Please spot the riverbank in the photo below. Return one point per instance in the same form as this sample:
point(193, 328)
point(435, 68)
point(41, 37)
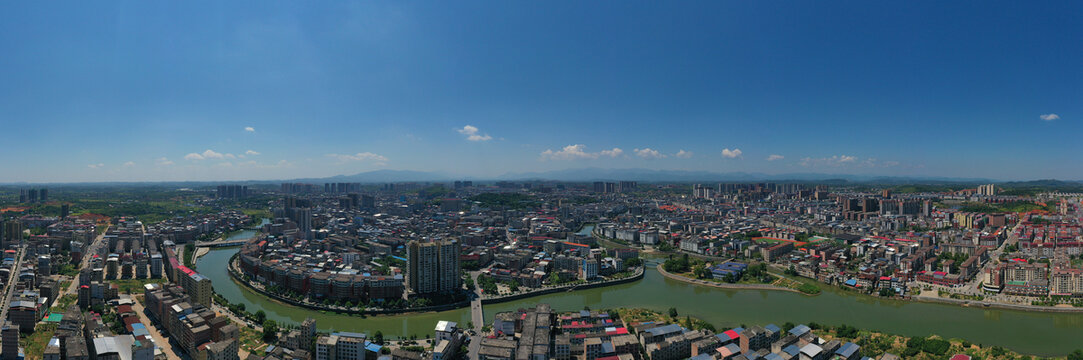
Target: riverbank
point(1045, 334)
point(200, 251)
point(923, 299)
point(566, 288)
point(667, 274)
point(985, 304)
point(236, 276)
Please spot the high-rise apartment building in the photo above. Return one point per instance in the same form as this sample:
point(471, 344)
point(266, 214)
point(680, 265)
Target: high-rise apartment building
point(12, 233)
point(232, 191)
point(9, 341)
point(196, 286)
point(433, 267)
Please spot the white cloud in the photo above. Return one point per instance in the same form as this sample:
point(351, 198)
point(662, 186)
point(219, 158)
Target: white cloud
point(1049, 117)
point(251, 152)
point(163, 161)
point(683, 154)
point(774, 157)
point(844, 160)
point(578, 151)
point(472, 134)
point(570, 152)
point(250, 129)
point(363, 157)
point(129, 164)
point(95, 166)
point(615, 152)
point(732, 154)
point(208, 154)
point(649, 153)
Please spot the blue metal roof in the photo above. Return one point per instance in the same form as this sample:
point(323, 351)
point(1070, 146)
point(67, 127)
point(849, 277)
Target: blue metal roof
point(772, 328)
point(848, 349)
point(662, 330)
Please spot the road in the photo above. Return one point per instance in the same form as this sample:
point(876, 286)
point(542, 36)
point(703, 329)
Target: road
point(9, 289)
point(477, 316)
point(240, 322)
point(95, 247)
point(223, 242)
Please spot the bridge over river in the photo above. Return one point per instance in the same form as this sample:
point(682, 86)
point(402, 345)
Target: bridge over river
point(231, 241)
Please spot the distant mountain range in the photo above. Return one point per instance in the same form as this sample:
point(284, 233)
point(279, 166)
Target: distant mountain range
point(644, 175)
point(383, 176)
point(601, 174)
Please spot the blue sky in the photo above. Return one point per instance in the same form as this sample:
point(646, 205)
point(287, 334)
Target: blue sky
point(268, 90)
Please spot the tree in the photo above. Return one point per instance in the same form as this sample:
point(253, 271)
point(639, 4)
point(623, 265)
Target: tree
point(701, 272)
point(260, 316)
point(709, 327)
point(915, 342)
point(378, 337)
point(270, 330)
point(1076, 355)
point(887, 292)
point(554, 279)
point(846, 331)
point(673, 312)
point(936, 346)
point(633, 262)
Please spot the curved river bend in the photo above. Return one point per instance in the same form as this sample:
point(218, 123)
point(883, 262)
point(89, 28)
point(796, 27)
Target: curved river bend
point(1036, 333)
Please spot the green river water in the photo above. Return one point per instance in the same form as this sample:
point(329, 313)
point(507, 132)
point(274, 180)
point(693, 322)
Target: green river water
point(1034, 333)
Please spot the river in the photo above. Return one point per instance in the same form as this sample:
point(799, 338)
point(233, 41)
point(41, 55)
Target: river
point(1044, 334)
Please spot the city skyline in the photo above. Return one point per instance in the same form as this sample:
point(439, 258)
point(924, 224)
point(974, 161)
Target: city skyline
point(254, 91)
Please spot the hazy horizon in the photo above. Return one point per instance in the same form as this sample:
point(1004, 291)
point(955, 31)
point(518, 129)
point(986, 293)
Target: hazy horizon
point(205, 91)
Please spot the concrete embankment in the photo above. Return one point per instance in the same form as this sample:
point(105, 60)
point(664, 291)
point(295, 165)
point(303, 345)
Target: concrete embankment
point(984, 304)
point(541, 292)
